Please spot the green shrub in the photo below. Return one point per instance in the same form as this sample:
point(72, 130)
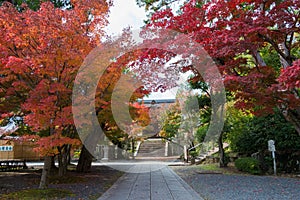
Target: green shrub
point(248, 164)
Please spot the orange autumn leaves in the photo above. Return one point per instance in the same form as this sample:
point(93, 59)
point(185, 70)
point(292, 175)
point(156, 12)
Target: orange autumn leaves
point(40, 54)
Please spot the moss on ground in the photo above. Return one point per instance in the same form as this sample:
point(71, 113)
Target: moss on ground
point(35, 194)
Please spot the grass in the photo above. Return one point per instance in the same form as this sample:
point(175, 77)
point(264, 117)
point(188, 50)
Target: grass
point(210, 167)
point(33, 194)
point(214, 168)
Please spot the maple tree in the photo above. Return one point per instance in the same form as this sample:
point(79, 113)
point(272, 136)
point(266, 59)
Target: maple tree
point(119, 126)
point(108, 95)
point(236, 34)
point(41, 52)
point(139, 64)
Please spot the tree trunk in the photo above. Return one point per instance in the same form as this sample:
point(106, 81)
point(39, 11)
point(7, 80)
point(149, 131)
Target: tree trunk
point(45, 173)
point(223, 161)
point(285, 60)
point(63, 159)
point(132, 147)
point(90, 142)
point(85, 161)
point(53, 162)
point(293, 116)
point(69, 156)
point(258, 59)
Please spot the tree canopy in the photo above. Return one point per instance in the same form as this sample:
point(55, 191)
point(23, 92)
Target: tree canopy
point(241, 36)
point(41, 51)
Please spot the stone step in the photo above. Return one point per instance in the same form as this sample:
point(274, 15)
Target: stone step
point(151, 148)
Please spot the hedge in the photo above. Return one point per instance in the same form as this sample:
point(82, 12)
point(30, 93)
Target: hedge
point(248, 164)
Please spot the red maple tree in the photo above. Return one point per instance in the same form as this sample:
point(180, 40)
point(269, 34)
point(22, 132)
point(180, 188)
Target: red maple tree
point(40, 53)
point(236, 34)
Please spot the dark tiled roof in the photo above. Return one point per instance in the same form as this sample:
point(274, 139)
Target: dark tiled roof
point(157, 101)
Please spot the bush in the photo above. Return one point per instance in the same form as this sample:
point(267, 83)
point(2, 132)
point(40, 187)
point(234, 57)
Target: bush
point(248, 164)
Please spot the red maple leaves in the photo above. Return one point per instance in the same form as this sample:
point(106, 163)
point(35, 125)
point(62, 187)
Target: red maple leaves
point(290, 77)
point(234, 33)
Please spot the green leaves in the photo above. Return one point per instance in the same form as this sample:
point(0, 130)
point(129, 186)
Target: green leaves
point(248, 164)
point(171, 122)
point(35, 4)
point(259, 130)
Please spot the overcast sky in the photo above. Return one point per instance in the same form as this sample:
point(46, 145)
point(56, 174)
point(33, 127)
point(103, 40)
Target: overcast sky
point(125, 13)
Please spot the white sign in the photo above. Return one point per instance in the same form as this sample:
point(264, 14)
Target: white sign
point(271, 145)
point(6, 148)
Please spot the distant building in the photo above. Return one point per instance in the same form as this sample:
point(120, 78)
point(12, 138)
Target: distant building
point(158, 103)
point(157, 107)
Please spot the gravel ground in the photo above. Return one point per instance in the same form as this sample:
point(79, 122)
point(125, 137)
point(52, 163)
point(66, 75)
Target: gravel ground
point(97, 182)
point(216, 186)
point(92, 186)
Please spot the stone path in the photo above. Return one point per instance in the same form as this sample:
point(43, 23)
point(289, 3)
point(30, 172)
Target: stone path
point(149, 181)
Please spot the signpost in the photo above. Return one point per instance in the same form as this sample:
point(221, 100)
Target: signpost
point(271, 147)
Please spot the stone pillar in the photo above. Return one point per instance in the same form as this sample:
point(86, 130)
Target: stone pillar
point(105, 152)
point(97, 152)
point(167, 149)
point(185, 153)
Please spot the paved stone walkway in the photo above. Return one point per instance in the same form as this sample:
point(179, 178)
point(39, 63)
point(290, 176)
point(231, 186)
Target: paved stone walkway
point(159, 182)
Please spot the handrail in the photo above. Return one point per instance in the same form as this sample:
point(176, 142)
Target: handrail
point(189, 149)
point(137, 148)
point(170, 140)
